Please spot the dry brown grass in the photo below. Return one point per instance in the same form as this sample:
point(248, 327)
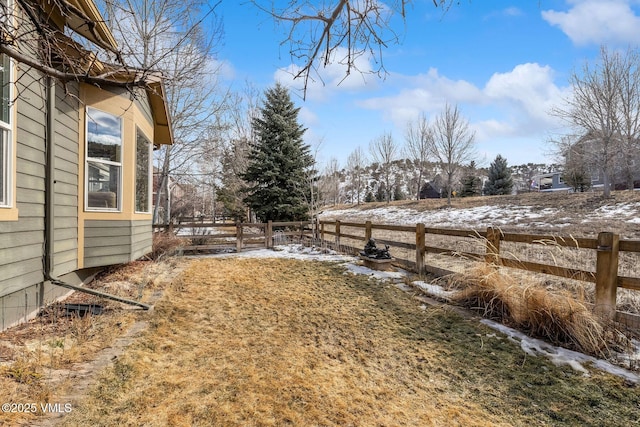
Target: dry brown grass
point(279, 342)
point(164, 244)
point(555, 315)
point(38, 359)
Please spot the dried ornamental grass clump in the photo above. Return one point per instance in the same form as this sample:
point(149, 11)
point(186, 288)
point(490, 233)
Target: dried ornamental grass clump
point(165, 244)
point(486, 289)
point(555, 316)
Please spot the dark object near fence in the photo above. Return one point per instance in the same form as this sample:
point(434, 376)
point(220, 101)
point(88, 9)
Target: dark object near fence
point(371, 251)
point(82, 310)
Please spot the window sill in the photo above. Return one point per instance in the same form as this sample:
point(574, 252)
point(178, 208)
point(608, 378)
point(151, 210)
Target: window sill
point(8, 214)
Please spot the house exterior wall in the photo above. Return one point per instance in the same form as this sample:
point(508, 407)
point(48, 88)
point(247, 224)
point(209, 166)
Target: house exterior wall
point(22, 287)
point(82, 240)
point(115, 241)
point(113, 237)
point(22, 238)
point(66, 154)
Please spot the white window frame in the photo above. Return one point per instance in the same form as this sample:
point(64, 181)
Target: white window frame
point(88, 160)
point(149, 174)
point(6, 146)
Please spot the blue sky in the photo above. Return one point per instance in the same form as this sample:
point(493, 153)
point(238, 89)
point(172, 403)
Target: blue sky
point(505, 63)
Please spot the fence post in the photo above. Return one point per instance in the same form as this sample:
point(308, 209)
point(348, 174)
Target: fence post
point(607, 275)
point(367, 231)
point(337, 234)
point(492, 255)
point(322, 232)
point(268, 235)
point(238, 237)
point(420, 250)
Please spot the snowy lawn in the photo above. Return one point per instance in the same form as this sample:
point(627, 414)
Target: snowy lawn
point(263, 338)
point(580, 215)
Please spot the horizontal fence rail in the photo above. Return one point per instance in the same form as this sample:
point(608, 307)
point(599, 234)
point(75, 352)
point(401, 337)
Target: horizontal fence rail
point(209, 236)
point(607, 246)
point(480, 245)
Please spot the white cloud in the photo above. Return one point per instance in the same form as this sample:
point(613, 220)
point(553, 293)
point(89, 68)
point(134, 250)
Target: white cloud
point(221, 68)
point(489, 129)
point(528, 87)
point(426, 93)
point(597, 22)
point(514, 104)
point(333, 78)
point(512, 11)
point(507, 12)
point(307, 117)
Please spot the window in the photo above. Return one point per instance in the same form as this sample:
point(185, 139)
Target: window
point(6, 138)
point(104, 160)
point(143, 173)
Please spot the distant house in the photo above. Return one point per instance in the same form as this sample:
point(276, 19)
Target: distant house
point(75, 170)
point(553, 181)
point(428, 191)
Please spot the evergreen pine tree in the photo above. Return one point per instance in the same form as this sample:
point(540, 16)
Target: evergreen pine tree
point(499, 180)
point(577, 178)
point(398, 194)
point(279, 161)
point(369, 197)
point(381, 193)
point(470, 186)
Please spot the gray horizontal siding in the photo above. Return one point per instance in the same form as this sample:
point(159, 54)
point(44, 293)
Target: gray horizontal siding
point(21, 241)
point(115, 242)
point(65, 209)
point(28, 195)
point(19, 306)
point(27, 238)
point(30, 273)
point(142, 101)
point(21, 245)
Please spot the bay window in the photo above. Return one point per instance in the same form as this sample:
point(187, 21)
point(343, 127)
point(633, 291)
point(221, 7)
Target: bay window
point(6, 134)
point(103, 161)
point(143, 173)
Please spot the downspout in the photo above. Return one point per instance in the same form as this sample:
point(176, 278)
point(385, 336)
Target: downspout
point(49, 229)
point(49, 175)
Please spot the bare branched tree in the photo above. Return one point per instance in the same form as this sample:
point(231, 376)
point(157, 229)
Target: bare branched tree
point(630, 117)
point(66, 43)
point(594, 109)
point(453, 144)
point(179, 39)
point(356, 164)
point(330, 183)
point(235, 159)
point(418, 137)
point(384, 151)
point(338, 31)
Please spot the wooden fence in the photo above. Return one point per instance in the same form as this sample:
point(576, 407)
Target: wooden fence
point(209, 236)
point(608, 247)
point(204, 236)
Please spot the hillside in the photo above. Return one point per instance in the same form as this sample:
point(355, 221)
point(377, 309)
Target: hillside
point(578, 214)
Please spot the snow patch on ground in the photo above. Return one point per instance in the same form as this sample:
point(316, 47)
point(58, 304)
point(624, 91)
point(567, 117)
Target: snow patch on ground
point(434, 290)
point(560, 356)
point(481, 217)
point(380, 275)
point(476, 217)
